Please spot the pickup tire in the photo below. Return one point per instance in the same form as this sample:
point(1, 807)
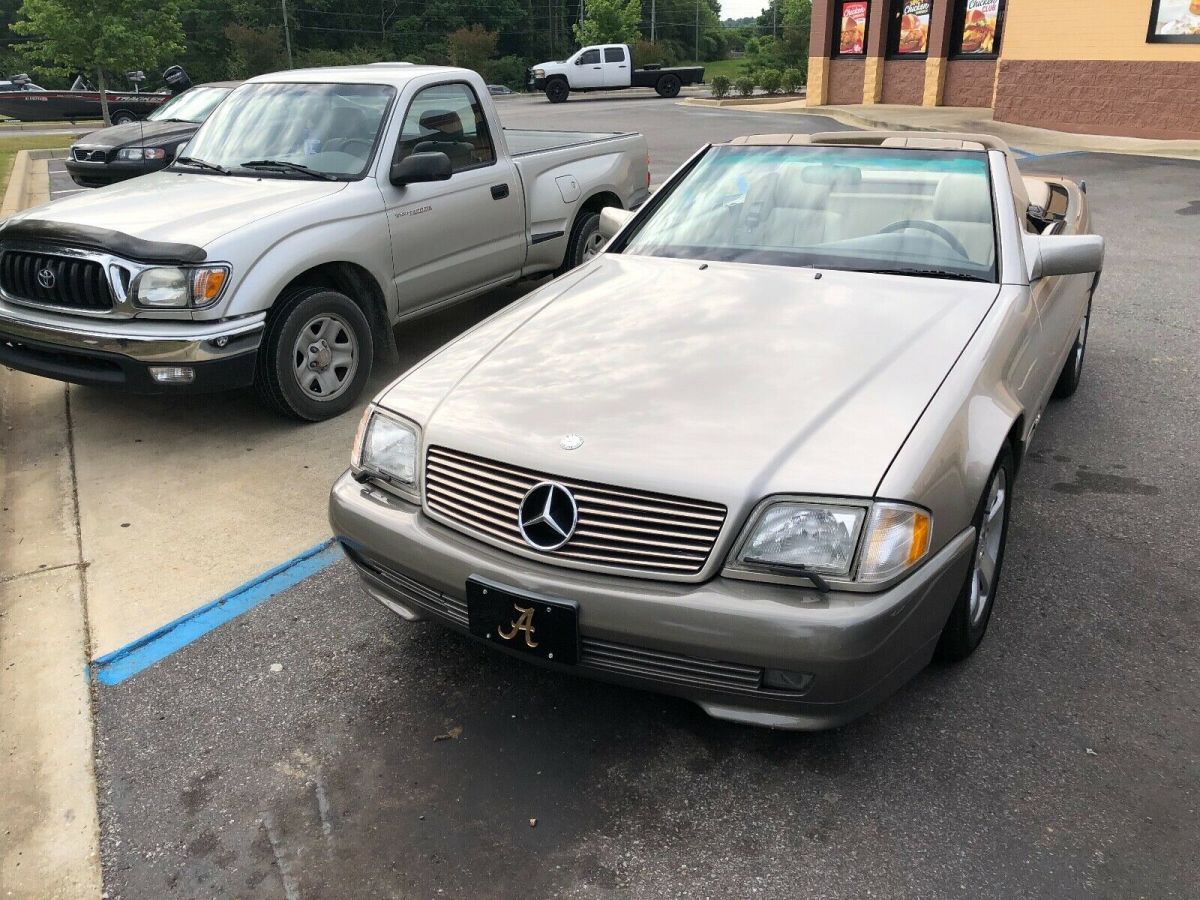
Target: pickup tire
point(316, 355)
point(585, 241)
point(557, 90)
point(668, 86)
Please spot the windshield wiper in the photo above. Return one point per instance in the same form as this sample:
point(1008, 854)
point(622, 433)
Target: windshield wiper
point(925, 273)
point(288, 166)
point(200, 164)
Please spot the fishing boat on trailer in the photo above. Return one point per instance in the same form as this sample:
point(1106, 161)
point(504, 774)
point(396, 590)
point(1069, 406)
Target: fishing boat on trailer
point(26, 102)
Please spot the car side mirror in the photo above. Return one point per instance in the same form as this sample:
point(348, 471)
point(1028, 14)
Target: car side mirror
point(1049, 255)
point(612, 220)
point(579, 61)
point(419, 167)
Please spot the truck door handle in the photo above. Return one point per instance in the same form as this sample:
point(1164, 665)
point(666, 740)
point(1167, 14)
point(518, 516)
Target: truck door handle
point(499, 191)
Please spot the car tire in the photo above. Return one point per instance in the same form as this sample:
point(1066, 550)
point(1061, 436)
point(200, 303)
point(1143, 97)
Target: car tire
point(968, 621)
point(585, 241)
point(557, 90)
point(316, 355)
point(1072, 373)
point(668, 86)
point(122, 117)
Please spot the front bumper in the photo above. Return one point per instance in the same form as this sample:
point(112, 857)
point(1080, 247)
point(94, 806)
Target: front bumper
point(119, 354)
point(711, 643)
point(536, 84)
point(99, 174)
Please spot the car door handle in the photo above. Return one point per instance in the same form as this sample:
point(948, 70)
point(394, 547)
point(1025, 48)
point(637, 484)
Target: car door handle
point(499, 191)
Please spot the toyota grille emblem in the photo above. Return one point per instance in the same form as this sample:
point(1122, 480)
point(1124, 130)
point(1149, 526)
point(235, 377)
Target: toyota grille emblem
point(46, 278)
point(547, 516)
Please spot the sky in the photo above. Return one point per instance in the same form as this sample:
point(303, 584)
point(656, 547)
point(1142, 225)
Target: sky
point(739, 9)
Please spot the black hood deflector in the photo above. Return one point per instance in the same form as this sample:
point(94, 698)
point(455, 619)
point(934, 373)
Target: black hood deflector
point(103, 239)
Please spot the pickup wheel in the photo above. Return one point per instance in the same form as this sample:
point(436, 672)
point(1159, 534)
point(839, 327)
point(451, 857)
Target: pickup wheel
point(557, 90)
point(585, 242)
point(668, 86)
point(316, 355)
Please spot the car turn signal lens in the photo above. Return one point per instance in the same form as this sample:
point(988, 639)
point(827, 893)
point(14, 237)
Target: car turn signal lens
point(207, 285)
point(898, 538)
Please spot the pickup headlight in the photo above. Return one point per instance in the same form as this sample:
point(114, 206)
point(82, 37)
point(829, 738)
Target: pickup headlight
point(139, 153)
point(828, 539)
point(171, 287)
point(386, 447)
point(539, 73)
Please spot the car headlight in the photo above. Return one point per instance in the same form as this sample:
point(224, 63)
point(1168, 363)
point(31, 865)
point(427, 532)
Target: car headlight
point(171, 287)
point(539, 73)
point(386, 447)
point(868, 542)
point(140, 153)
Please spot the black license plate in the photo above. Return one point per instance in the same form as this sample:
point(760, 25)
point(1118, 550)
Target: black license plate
point(545, 628)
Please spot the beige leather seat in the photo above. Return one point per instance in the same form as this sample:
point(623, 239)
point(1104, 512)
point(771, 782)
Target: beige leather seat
point(962, 205)
point(782, 210)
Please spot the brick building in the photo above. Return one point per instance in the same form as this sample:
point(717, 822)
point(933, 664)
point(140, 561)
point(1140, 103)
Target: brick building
point(1125, 67)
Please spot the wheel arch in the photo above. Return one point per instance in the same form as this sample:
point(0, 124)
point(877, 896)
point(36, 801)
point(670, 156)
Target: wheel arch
point(356, 283)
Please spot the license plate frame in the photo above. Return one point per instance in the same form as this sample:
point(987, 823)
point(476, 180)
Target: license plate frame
point(543, 627)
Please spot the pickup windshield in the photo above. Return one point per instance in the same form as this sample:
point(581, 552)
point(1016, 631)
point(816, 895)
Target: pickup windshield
point(923, 213)
point(328, 129)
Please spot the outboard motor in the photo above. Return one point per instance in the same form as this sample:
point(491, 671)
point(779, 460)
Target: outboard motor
point(177, 79)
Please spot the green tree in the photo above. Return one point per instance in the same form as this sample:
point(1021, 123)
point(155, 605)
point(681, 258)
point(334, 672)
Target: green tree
point(471, 47)
point(253, 51)
point(610, 22)
point(100, 35)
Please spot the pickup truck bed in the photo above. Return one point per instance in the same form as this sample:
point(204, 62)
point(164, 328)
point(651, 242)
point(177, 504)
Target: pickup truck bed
point(650, 77)
point(523, 141)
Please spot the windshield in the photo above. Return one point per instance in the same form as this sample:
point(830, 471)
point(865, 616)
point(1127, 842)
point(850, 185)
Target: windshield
point(328, 129)
point(920, 212)
point(190, 106)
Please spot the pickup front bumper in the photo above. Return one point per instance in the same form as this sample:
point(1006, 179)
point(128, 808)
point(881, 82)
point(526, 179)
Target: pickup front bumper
point(127, 354)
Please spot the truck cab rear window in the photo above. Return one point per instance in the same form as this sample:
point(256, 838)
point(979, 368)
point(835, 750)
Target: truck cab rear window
point(614, 54)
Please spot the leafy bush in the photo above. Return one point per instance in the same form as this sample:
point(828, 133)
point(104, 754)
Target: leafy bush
point(793, 80)
point(319, 58)
point(720, 86)
point(507, 70)
point(646, 53)
point(769, 80)
point(744, 85)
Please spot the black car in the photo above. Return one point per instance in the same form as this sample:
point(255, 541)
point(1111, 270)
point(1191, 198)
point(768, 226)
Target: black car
point(124, 151)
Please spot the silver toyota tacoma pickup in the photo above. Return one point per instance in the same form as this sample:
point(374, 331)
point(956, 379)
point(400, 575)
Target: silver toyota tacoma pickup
point(312, 212)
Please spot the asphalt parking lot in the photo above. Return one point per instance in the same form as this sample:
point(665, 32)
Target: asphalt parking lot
point(318, 746)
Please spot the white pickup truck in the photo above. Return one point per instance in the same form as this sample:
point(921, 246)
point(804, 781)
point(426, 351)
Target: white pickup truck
point(608, 67)
point(312, 212)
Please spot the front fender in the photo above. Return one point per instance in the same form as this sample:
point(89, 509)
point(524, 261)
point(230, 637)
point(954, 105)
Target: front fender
point(947, 458)
point(269, 254)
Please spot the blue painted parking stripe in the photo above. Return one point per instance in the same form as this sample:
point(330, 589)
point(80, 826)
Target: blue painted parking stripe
point(124, 663)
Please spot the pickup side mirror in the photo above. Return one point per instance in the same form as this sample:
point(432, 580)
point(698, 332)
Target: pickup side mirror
point(1048, 255)
point(579, 60)
point(612, 220)
point(421, 167)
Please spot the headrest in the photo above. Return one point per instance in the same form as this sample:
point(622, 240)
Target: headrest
point(445, 121)
point(795, 193)
point(962, 198)
point(836, 177)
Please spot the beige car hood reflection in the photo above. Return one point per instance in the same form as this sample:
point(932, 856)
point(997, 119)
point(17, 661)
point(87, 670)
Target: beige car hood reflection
point(722, 382)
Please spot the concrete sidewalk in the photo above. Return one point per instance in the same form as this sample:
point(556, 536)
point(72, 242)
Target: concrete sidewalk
point(1037, 141)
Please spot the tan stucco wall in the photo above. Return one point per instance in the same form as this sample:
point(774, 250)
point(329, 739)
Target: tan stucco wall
point(1086, 29)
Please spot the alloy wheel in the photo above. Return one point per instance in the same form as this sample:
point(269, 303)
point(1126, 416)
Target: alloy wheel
point(988, 548)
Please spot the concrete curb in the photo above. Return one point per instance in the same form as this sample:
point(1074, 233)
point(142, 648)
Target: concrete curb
point(742, 101)
point(29, 183)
